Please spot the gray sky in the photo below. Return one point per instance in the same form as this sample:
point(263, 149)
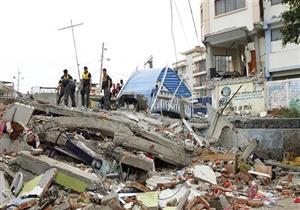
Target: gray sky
point(132, 31)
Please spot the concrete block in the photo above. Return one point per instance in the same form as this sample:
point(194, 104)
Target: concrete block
point(18, 113)
point(138, 162)
point(12, 146)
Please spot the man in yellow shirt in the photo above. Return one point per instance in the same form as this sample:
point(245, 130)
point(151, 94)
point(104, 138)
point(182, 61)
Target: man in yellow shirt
point(86, 83)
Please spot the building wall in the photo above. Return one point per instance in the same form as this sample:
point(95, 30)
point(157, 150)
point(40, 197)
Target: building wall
point(284, 58)
point(271, 11)
point(242, 17)
point(278, 58)
point(249, 99)
point(189, 71)
point(283, 93)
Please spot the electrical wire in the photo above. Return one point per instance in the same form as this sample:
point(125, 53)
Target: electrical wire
point(172, 32)
point(194, 22)
point(181, 24)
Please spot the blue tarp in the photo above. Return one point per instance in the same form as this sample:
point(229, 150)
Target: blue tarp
point(142, 83)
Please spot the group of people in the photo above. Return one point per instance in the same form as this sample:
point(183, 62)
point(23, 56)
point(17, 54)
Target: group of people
point(67, 88)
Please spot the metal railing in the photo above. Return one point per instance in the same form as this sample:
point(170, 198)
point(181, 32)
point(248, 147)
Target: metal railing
point(165, 102)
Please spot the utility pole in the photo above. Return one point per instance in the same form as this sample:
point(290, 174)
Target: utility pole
point(72, 27)
point(18, 79)
point(101, 66)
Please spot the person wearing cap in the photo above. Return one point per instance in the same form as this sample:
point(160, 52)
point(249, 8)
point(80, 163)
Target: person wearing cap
point(86, 83)
point(66, 87)
point(106, 85)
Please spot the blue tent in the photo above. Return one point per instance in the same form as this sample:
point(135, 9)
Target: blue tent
point(144, 81)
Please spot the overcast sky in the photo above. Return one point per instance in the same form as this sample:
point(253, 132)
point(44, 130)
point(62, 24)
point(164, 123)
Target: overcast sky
point(132, 30)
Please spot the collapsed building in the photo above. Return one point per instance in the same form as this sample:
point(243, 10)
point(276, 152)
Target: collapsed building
point(60, 158)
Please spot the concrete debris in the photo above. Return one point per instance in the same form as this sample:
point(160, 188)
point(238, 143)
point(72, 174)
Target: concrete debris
point(59, 158)
point(205, 173)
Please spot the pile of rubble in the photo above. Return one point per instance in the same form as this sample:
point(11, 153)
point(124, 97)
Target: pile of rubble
point(59, 158)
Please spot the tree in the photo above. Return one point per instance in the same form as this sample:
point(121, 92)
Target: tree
point(291, 22)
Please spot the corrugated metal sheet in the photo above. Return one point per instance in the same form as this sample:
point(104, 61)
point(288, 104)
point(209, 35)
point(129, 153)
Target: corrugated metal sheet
point(172, 81)
point(142, 83)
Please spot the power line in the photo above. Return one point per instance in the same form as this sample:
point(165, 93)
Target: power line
point(172, 32)
point(181, 24)
point(194, 22)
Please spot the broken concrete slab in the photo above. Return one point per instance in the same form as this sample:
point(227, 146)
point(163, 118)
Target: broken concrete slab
point(17, 184)
point(183, 200)
point(39, 185)
point(4, 167)
point(106, 127)
point(200, 140)
point(146, 164)
point(249, 149)
point(18, 112)
point(160, 151)
point(106, 199)
point(22, 203)
point(12, 146)
point(205, 173)
point(67, 176)
point(155, 181)
point(217, 123)
point(4, 190)
point(149, 199)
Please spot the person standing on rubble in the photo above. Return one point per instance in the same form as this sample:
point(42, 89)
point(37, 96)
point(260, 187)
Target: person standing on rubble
point(106, 85)
point(66, 87)
point(85, 85)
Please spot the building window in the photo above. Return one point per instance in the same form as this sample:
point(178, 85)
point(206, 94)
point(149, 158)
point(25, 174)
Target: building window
point(224, 6)
point(276, 34)
point(202, 66)
point(274, 2)
point(202, 92)
point(202, 80)
point(223, 63)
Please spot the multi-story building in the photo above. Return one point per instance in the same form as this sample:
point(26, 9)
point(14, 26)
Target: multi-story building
point(233, 35)
point(7, 89)
point(192, 70)
point(281, 62)
point(232, 31)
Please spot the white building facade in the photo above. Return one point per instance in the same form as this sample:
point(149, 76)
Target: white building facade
point(281, 62)
point(192, 69)
point(232, 31)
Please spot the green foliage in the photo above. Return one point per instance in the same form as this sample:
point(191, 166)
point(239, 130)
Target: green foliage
point(291, 22)
point(288, 113)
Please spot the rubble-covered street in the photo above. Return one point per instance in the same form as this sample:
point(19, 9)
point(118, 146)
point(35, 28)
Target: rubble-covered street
point(59, 158)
